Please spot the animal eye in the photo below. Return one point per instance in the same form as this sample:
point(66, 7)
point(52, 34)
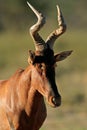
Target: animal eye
point(41, 66)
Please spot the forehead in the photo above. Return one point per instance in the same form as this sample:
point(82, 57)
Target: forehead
point(47, 57)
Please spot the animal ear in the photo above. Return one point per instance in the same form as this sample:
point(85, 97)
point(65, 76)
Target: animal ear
point(31, 57)
point(61, 56)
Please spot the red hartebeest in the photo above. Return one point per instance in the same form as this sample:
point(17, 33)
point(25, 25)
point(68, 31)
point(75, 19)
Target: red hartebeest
point(22, 105)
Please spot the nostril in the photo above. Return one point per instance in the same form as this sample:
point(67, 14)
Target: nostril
point(56, 101)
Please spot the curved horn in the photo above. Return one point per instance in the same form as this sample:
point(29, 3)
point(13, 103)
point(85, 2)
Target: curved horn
point(39, 42)
point(56, 33)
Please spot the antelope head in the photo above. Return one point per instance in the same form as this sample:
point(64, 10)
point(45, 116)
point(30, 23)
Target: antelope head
point(43, 59)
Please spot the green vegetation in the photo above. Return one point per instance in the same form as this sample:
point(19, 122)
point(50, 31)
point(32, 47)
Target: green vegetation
point(71, 74)
point(15, 14)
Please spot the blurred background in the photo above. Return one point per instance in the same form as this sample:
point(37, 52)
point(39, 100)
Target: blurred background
point(71, 74)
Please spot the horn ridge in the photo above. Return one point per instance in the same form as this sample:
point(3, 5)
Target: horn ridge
point(59, 31)
point(38, 41)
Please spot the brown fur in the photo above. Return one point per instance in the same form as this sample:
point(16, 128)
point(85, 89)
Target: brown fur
point(21, 102)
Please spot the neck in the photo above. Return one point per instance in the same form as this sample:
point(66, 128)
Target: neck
point(35, 109)
point(24, 87)
point(33, 102)
point(30, 97)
